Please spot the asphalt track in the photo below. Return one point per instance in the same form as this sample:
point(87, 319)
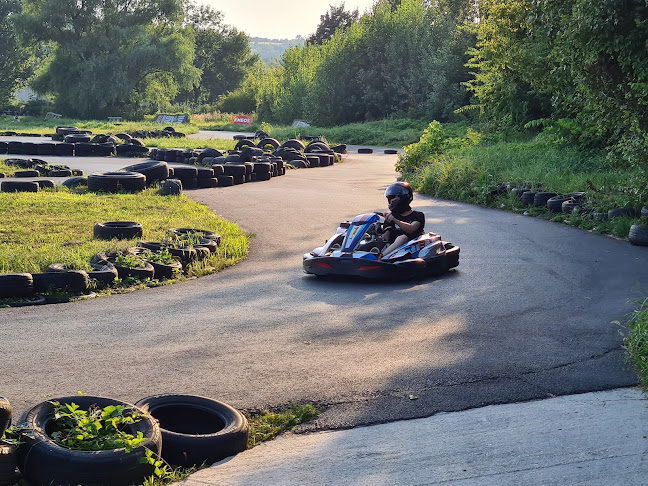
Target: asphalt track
point(527, 314)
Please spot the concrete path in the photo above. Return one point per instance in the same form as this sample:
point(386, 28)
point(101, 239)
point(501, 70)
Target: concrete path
point(594, 439)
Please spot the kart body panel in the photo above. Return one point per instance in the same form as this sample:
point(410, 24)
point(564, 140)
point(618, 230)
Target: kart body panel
point(354, 251)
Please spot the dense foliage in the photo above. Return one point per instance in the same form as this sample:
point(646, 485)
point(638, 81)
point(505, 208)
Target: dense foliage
point(397, 60)
point(15, 64)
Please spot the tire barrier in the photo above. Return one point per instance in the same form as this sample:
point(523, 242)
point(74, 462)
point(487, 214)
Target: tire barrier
point(103, 271)
point(365, 151)
point(42, 461)
point(200, 233)
point(121, 230)
point(16, 285)
point(116, 182)
point(171, 187)
point(152, 170)
point(638, 235)
point(73, 281)
point(18, 186)
point(196, 430)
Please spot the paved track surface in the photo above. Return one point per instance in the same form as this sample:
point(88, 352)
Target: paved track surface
point(528, 314)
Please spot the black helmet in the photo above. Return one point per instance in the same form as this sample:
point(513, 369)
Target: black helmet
point(403, 191)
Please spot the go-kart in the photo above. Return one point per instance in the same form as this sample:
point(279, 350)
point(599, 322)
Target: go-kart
point(355, 250)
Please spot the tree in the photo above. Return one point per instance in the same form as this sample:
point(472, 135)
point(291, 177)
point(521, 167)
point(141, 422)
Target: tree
point(336, 18)
point(222, 54)
point(14, 60)
point(108, 57)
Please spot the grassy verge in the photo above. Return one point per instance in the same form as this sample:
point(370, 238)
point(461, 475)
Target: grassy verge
point(636, 342)
point(266, 425)
point(463, 166)
point(56, 226)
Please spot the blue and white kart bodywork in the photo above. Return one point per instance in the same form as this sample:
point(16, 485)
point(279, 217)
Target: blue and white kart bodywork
point(355, 249)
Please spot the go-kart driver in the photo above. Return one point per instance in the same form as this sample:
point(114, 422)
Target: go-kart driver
point(402, 223)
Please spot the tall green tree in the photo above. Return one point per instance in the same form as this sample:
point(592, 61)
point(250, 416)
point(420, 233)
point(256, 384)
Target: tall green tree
point(109, 57)
point(222, 54)
point(337, 18)
point(15, 64)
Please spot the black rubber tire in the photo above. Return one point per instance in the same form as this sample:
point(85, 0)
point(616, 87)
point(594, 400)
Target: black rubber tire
point(8, 464)
point(18, 186)
point(262, 167)
point(208, 152)
point(313, 160)
point(121, 230)
point(116, 181)
point(239, 179)
point(183, 171)
point(269, 142)
point(197, 429)
point(300, 164)
point(554, 204)
point(152, 170)
point(5, 415)
point(65, 149)
point(14, 148)
point(26, 173)
point(205, 172)
point(390, 151)
point(171, 187)
point(262, 176)
point(200, 233)
point(540, 199)
point(294, 143)
point(160, 154)
point(207, 183)
point(244, 143)
point(569, 205)
point(248, 154)
point(16, 285)
point(166, 270)
point(234, 169)
point(319, 146)
point(528, 197)
point(44, 462)
point(75, 181)
point(60, 173)
point(143, 273)
point(74, 281)
point(218, 170)
point(45, 183)
point(104, 272)
point(77, 138)
point(638, 235)
point(365, 150)
point(189, 182)
point(225, 180)
point(622, 212)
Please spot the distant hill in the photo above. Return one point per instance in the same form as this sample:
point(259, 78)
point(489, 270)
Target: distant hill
point(270, 50)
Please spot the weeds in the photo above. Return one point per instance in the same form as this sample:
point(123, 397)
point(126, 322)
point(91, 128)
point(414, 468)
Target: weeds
point(635, 342)
point(267, 425)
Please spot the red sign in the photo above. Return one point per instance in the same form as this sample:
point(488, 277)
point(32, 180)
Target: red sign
point(241, 120)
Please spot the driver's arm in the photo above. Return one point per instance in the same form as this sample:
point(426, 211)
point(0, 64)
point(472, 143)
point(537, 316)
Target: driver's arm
point(409, 228)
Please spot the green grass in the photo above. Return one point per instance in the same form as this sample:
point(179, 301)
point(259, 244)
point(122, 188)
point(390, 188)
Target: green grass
point(191, 143)
point(266, 425)
point(387, 133)
point(384, 133)
point(636, 342)
point(56, 226)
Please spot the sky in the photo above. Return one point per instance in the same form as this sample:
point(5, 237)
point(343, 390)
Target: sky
point(279, 19)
